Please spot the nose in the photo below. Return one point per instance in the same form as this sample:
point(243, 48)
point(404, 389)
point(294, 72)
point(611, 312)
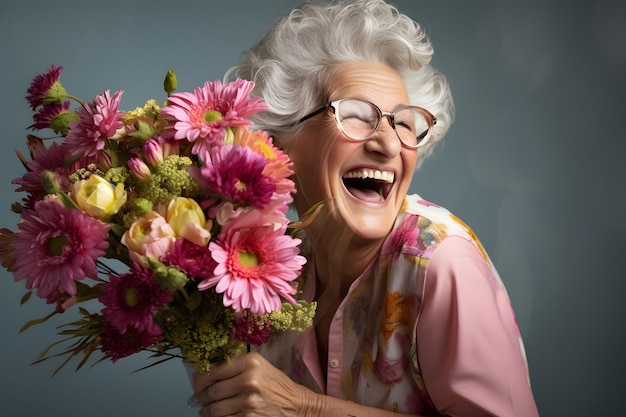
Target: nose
point(385, 141)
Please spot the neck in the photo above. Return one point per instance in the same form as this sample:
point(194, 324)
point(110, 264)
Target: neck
point(339, 260)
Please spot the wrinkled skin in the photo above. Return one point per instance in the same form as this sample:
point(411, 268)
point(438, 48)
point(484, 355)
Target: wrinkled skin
point(249, 386)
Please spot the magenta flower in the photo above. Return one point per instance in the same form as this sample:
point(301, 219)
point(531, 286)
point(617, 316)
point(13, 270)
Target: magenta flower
point(139, 168)
point(40, 86)
point(236, 174)
point(250, 330)
point(99, 120)
point(132, 299)
point(194, 260)
point(120, 345)
point(52, 159)
point(6, 249)
point(56, 246)
point(278, 164)
point(153, 152)
point(46, 114)
point(256, 267)
point(202, 117)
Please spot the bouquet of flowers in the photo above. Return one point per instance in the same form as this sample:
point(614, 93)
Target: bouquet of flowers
point(184, 196)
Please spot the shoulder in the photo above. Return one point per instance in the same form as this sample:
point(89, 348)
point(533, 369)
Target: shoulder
point(422, 226)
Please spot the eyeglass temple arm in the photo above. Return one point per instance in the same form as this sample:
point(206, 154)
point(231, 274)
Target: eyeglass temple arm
point(315, 113)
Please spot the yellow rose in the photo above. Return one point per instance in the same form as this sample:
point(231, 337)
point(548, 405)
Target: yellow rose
point(188, 220)
point(98, 197)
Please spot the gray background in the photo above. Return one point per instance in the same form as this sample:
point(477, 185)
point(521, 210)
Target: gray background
point(534, 163)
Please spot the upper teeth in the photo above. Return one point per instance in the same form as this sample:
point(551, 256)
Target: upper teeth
point(371, 173)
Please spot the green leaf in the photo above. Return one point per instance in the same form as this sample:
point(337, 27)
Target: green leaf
point(26, 297)
point(37, 321)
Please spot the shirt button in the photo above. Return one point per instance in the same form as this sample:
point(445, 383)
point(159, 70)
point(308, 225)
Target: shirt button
point(334, 363)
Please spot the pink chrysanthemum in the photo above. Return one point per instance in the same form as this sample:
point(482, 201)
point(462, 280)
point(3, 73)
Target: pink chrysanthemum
point(56, 246)
point(256, 267)
point(251, 329)
point(194, 260)
point(202, 117)
point(132, 299)
point(99, 120)
point(236, 174)
point(41, 85)
point(120, 345)
point(45, 159)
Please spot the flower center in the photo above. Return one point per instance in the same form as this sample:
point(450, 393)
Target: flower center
point(212, 116)
point(266, 150)
point(240, 185)
point(248, 259)
point(130, 297)
point(56, 245)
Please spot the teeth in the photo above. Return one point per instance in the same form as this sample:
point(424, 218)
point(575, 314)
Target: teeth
point(385, 176)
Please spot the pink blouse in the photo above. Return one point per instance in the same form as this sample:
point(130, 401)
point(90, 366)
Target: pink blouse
point(427, 329)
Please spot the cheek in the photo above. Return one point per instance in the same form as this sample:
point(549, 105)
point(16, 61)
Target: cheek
point(315, 149)
point(409, 162)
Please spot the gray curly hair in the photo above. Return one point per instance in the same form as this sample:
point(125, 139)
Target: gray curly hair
point(293, 62)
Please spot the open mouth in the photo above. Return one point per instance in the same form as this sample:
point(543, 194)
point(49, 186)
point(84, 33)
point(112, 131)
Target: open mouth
point(369, 185)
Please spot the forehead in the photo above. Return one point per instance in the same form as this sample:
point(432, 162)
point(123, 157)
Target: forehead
point(378, 83)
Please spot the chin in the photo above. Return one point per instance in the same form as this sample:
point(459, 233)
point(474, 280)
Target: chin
point(368, 223)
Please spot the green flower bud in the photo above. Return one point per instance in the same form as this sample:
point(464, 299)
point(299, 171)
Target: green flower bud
point(50, 183)
point(170, 83)
point(167, 277)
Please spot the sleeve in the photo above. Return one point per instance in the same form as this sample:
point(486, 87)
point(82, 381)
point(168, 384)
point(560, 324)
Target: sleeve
point(469, 347)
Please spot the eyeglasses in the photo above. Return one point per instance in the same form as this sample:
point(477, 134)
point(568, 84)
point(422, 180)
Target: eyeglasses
point(360, 119)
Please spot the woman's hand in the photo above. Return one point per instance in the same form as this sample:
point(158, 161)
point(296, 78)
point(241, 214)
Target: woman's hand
point(250, 386)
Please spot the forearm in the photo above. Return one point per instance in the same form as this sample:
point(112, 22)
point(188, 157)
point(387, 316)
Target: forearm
point(319, 405)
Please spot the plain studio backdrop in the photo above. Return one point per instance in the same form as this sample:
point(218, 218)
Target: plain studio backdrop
point(535, 163)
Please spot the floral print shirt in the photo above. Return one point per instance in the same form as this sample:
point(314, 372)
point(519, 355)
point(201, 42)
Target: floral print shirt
point(427, 328)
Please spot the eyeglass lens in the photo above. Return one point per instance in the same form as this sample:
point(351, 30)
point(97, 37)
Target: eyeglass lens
point(359, 119)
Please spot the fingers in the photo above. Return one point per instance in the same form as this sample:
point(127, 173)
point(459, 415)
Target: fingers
point(240, 405)
point(249, 385)
point(225, 380)
point(220, 390)
point(218, 371)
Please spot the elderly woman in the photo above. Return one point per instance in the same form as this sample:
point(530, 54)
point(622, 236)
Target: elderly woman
point(412, 317)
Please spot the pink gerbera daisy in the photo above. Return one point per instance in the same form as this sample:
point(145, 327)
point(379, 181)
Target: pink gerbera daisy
point(236, 174)
point(194, 260)
point(202, 117)
point(132, 299)
point(40, 86)
point(99, 120)
point(120, 345)
point(56, 246)
point(256, 267)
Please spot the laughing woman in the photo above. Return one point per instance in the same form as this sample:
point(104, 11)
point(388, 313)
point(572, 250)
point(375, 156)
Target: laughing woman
point(412, 316)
